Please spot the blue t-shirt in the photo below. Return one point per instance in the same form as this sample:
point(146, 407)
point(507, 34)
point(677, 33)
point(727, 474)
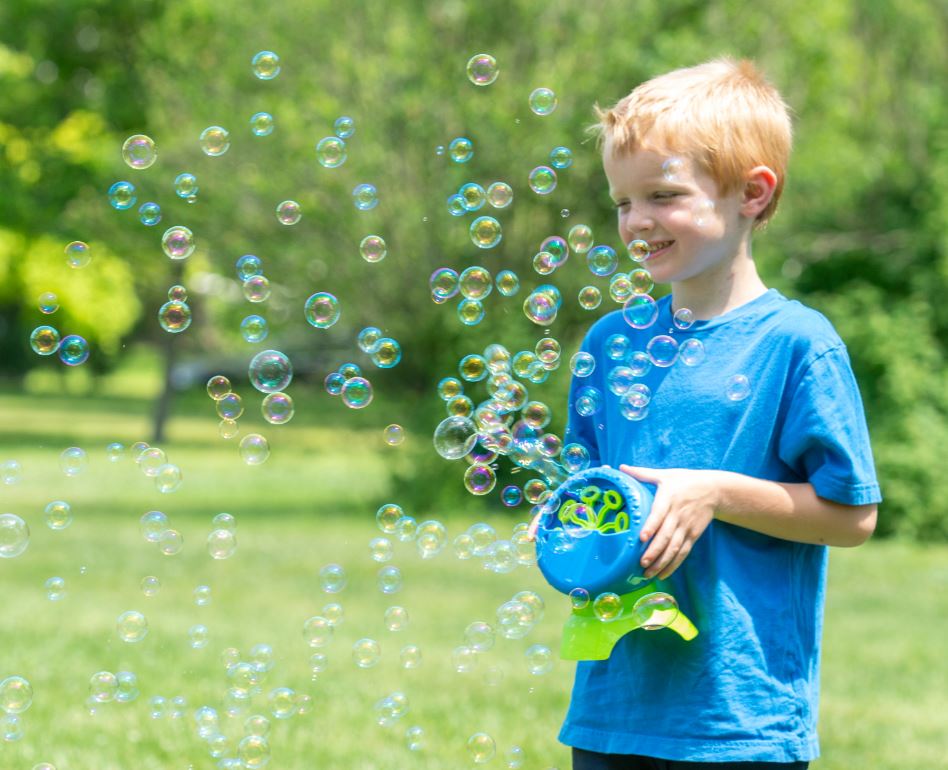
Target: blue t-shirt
point(746, 688)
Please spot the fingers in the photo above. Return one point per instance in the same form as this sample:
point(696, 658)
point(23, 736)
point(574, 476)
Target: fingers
point(649, 475)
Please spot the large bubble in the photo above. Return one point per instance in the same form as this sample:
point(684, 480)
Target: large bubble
point(270, 371)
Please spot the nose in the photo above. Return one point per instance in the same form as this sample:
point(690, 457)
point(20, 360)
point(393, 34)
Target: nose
point(634, 221)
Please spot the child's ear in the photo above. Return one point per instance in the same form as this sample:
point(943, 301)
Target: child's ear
point(759, 187)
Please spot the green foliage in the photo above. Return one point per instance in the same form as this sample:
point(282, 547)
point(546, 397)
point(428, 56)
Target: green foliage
point(861, 233)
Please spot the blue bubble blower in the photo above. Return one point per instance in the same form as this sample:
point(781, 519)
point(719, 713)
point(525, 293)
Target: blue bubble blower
point(589, 547)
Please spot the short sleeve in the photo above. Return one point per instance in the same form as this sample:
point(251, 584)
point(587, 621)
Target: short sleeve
point(824, 437)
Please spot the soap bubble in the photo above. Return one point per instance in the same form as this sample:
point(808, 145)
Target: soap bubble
point(638, 250)
point(482, 69)
point(10, 472)
point(396, 619)
point(122, 195)
point(270, 371)
point(139, 151)
point(387, 516)
point(542, 180)
point(544, 262)
point(48, 303)
point(149, 213)
point(174, 317)
point(444, 283)
point(115, 452)
point(461, 149)
point(186, 186)
point(372, 248)
point(456, 205)
point(662, 350)
point(539, 659)
point(540, 307)
point(602, 260)
point(430, 539)
point(16, 695)
point(168, 478)
point(365, 196)
point(683, 318)
point(542, 101)
point(332, 578)
point(55, 589)
point(561, 157)
point(44, 340)
point(221, 544)
point(131, 627)
point(368, 339)
point(14, 536)
point(507, 283)
point(580, 238)
point(230, 406)
point(640, 311)
point(254, 328)
point(198, 636)
point(738, 387)
point(78, 254)
point(455, 437)
point(380, 549)
point(103, 686)
point(590, 297)
point(672, 169)
point(202, 595)
point(317, 631)
point(322, 310)
point(152, 524)
point(266, 65)
point(579, 598)
point(475, 282)
point(343, 126)
point(357, 393)
point(73, 350)
point(387, 353)
point(479, 479)
point(366, 653)
point(449, 388)
point(261, 124)
point(481, 747)
point(479, 636)
point(641, 281)
point(170, 542)
point(389, 580)
point(639, 363)
point(515, 619)
point(702, 212)
point(691, 352)
point(73, 461)
point(254, 449)
point(393, 434)
point(588, 401)
point(277, 408)
point(499, 195)
point(485, 232)
point(178, 293)
point(514, 758)
point(331, 152)
point(178, 242)
point(463, 659)
point(414, 737)
point(607, 606)
point(289, 212)
point(655, 610)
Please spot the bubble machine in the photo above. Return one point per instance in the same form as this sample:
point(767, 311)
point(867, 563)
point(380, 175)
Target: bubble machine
point(588, 547)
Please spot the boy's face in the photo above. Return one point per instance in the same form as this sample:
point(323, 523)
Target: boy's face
point(691, 228)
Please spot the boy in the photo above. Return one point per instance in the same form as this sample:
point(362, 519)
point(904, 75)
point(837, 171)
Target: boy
point(755, 438)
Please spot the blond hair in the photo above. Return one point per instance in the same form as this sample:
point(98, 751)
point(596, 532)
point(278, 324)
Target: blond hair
point(722, 114)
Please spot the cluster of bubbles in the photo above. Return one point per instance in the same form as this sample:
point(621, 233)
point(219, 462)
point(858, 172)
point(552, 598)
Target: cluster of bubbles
point(270, 372)
point(348, 382)
point(46, 340)
point(331, 150)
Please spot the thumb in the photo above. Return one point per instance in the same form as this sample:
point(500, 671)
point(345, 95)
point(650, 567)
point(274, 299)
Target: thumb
point(650, 475)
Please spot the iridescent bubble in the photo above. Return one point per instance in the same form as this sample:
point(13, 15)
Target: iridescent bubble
point(482, 69)
point(481, 747)
point(456, 205)
point(396, 619)
point(73, 461)
point(168, 478)
point(350, 369)
point(507, 283)
point(14, 536)
point(455, 437)
point(540, 307)
point(683, 318)
point(248, 266)
point(261, 124)
point(221, 543)
point(186, 186)
point(738, 387)
point(215, 141)
point(542, 101)
point(387, 353)
point(662, 350)
point(582, 364)
point(55, 589)
point(655, 610)
point(639, 363)
point(366, 653)
point(470, 312)
point(479, 479)
point(139, 151)
point(372, 248)
point(607, 606)
point(638, 250)
point(561, 157)
point(702, 212)
point(473, 367)
point(266, 65)
point(602, 260)
point(131, 626)
point(150, 459)
point(617, 347)
point(230, 406)
point(588, 401)
point(544, 262)
point(73, 350)
point(254, 328)
point(542, 180)
point(499, 195)
point(415, 738)
point(368, 339)
point(16, 695)
point(539, 659)
point(672, 169)
point(178, 242)
point(58, 514)
point(78, 254)
point(317, 631)
point(486, 232)
point(322, 310)
point(149, 213)
point(331, 152)
point(103, 686)
point(357, 393)
point(389, 579)
point(590, 297)
point(332, 578)
point(343, 126)
point(225, 521)
point(10, 472)
point(444, 283)
point(174, 317)
point(691, 352)
point(48, 303)
point(475, 282)
point(393, 434)
point(365, 196)
point(640, 311)
point(202, 595)
point(641, 281)
point(333, 383)
point(178, 293)
point(450, 387)
point(579, 598)
point(115, 452)
point(461, 149)
point(430, 538)
point(270, 371)
point(463, 659)
point(387, 517)
point(277, 408)
point(472, 195)
point(152, 524)
point(122, 196)
point(254, 449)
point(170, 542)
point(44, 340)
point(289, 212)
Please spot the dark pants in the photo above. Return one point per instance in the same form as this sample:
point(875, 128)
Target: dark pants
point(591, 760)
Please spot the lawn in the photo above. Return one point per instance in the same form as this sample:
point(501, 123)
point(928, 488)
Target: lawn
point(313, 503)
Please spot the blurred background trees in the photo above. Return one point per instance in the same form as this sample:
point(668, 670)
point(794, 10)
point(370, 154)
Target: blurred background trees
point(862, 233)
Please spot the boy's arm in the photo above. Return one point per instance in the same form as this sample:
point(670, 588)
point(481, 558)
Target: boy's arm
point(687, 500)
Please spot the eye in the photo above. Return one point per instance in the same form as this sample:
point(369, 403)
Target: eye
point(620, 205)
point(664, 195)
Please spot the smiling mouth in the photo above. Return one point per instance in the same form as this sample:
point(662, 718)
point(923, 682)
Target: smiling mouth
point(657, 246)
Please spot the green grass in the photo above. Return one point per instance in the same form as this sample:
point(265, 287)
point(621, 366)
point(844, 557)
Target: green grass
point(885, 679)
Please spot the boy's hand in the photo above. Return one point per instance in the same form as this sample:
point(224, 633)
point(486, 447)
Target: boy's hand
point(684, 505)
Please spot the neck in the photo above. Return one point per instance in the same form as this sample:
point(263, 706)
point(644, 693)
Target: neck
point(720, 289)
